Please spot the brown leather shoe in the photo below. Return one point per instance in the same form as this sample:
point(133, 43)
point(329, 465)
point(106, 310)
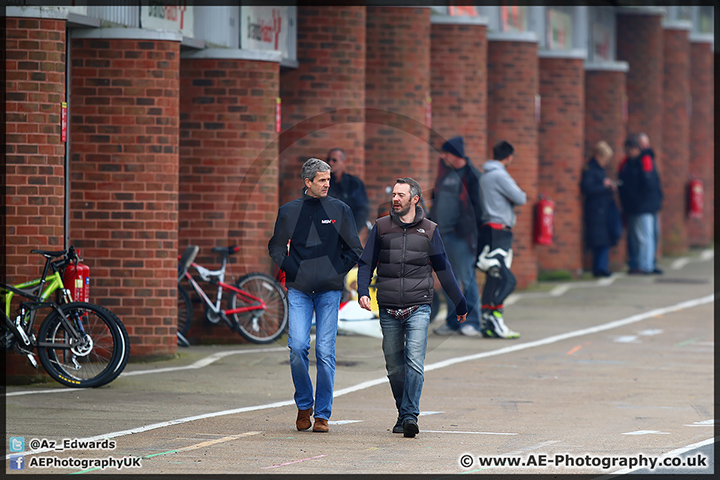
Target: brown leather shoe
point(321, 425)
point(303, 419)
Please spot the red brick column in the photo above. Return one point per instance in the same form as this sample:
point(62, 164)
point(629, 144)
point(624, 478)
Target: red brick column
point(604, 120)
point(323, 99)
point(676, 136)
point(702, 137)
point(34, 154)
point(396, 91)
point(458, 85)
point(512, 89)
point(560, 140)
point(640, 43)
point(228, 162)
point(124, 179)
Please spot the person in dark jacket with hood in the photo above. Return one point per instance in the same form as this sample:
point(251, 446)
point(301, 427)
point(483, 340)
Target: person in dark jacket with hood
point(602, 218)
point(315, 243)
point(406, 248)
point(641, 196)
point(457, 211)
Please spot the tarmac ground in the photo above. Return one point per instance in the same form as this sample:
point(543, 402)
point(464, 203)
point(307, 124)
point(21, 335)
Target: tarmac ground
point(606, 375)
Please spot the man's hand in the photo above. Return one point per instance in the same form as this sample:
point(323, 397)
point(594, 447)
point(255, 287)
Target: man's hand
point(364, 302)
point(462, 318)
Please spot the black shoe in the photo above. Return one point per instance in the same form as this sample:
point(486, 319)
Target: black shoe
point(410, 428)
point(657, 271)
point(637, 271)
point(398, 428)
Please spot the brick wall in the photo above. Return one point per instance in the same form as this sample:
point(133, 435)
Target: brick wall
point(560, 140)
point(640, 43)
point(323, 99)
point(676, 136)
point(396, 91)
point(124, 181)
point(512, 86)
point(702, 131)
point(228, 167)
point(34, 154)
point(458, 88)
point(604, 97)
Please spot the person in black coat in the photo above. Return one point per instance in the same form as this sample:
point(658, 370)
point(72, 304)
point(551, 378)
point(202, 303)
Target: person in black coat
point(602, 218)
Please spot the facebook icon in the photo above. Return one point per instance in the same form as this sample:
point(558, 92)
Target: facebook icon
point(17, 462)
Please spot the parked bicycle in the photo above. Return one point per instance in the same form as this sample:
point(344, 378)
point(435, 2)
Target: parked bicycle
point(79, 344)
point(257, 306)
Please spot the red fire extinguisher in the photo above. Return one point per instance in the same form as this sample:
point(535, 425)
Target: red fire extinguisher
point(76, 278)
point(695, 198)
point(544, 220)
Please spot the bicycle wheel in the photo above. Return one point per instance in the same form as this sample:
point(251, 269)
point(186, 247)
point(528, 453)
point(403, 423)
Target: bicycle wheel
point(265, 325)
point(185, 311)
point(98, 360)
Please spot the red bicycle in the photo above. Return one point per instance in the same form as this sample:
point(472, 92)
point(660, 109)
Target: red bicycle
point(257, 306)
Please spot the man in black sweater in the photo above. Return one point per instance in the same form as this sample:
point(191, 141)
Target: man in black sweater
point(315, 243)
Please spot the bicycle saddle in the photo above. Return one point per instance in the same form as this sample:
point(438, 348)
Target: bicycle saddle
point(228, 250)
point(187, 258)
point(49, 254)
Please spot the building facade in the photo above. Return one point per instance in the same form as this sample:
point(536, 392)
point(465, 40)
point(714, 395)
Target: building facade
point(133, 131)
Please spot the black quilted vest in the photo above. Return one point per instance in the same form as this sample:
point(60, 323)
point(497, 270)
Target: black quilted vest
point(404, 271)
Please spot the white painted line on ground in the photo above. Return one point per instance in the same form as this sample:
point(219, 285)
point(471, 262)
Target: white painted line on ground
point(650, 331)
point(470, 433)
point(679, 263)
point(559, 290)
point(646, 432)
point(626, 339)
point(295, 461)
point(429, 413)
point(704, 423)
point(434, 366)
point(342, 422)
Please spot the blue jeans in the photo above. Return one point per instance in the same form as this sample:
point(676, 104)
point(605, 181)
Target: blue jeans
point(643, 231)
point(462, 260)
point(600, 260)
point(301, 306)
point(404, 345)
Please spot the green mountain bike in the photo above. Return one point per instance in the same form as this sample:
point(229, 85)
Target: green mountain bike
point(79, 344)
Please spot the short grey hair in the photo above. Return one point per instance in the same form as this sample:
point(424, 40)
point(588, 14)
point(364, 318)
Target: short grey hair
point(311, 168)
point(415, 188)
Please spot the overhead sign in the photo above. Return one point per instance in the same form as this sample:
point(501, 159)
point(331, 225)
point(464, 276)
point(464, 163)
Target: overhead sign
point(269, 28)
point(167, 16)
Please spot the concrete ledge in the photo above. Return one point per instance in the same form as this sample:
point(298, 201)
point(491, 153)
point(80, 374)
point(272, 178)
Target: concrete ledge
point(235, 54)
point(677, 25)
point(512, 37)
point(578, 53)
point(608, 66)
point(641, 11)
point(127, 34)
point(36, 12)
point(702, 38)
point(448, 20)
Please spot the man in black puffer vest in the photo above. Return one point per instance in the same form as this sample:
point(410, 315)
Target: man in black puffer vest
point(406, 247)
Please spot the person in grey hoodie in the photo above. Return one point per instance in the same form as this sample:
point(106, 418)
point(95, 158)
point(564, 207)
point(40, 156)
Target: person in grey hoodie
point(499, 194)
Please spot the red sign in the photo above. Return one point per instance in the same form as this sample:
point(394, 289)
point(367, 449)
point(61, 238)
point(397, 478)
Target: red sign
point(63, 122)
point(278, 116)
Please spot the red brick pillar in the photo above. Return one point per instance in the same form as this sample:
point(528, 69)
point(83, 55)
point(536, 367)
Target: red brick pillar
point(640, 43)
point(34, 154)
point(323, 99)
point(124, 177)
point(560, 141)
point(702, 136)
point(676, 135)
point(396, 96)
point(228, 161)
point(458, 85)
point(605, 120)
point(512, 90)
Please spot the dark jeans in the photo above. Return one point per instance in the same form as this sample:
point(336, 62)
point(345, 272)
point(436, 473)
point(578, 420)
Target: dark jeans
point(600, 260)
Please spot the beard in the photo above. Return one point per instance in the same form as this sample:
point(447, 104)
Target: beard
point(401, 213)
